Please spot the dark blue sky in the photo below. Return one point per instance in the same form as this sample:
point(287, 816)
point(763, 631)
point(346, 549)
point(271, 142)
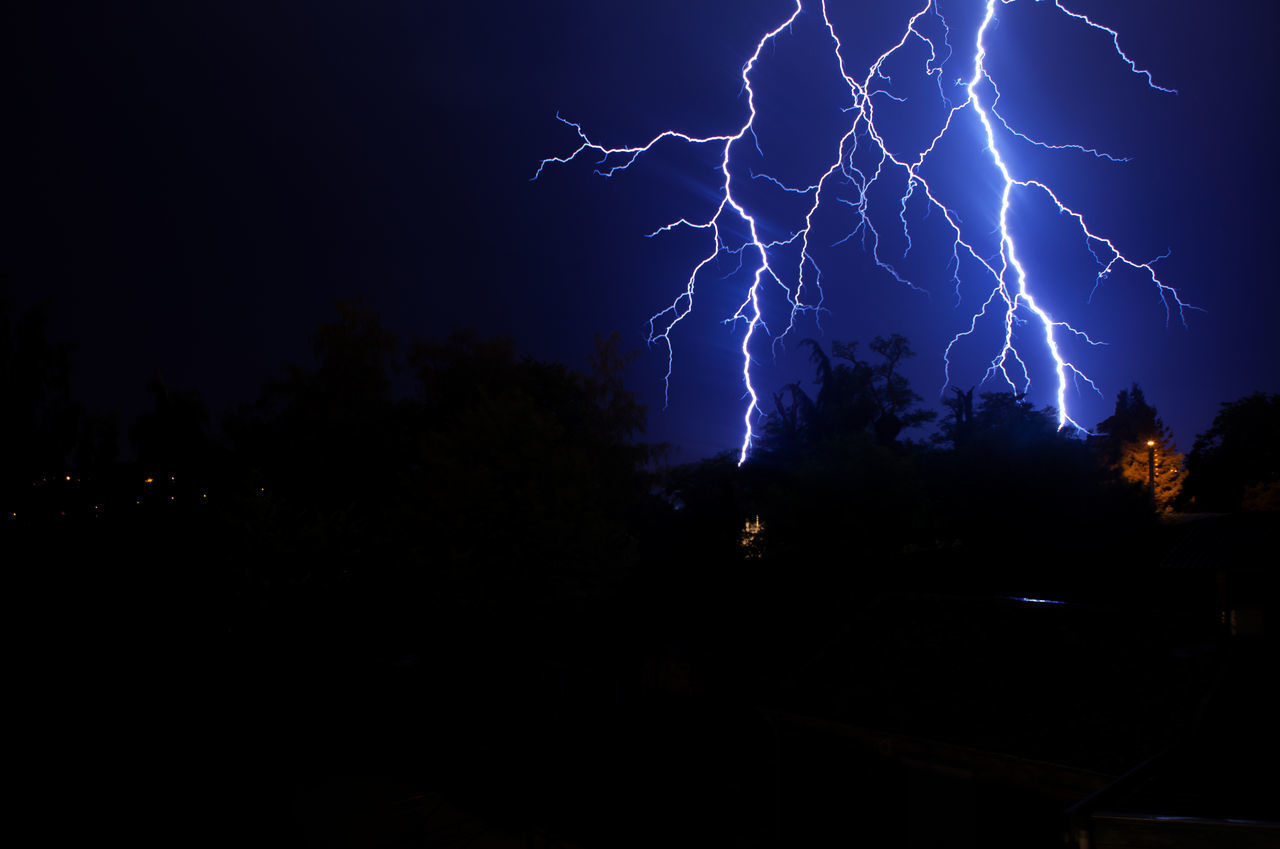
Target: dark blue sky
point(195, 185)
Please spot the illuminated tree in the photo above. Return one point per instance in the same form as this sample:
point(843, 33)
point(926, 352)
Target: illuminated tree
point(1136, 443)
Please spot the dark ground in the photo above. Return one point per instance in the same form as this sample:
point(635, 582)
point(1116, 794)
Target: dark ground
point(701, 721)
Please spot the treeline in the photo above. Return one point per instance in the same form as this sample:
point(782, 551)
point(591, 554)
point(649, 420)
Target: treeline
point(839, 503)
point(998, 492)
point(498, 479)
point(443, 559)
point(497, 483)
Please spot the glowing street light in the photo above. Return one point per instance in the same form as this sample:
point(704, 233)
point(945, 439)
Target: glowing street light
point(1151, 467)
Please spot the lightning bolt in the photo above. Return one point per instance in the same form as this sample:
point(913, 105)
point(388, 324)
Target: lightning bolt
point(863, 159)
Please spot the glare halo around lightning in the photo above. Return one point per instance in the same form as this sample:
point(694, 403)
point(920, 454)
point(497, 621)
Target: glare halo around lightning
point(1010, 285)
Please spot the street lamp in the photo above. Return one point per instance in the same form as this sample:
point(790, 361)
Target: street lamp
point(1151, 467)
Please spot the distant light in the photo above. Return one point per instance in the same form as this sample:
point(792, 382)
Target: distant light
point(750, 536)
point(148, 481)
point(1034, 600)
point(1151, 442)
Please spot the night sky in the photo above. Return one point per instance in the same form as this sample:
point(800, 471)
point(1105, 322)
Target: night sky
point(194, 184)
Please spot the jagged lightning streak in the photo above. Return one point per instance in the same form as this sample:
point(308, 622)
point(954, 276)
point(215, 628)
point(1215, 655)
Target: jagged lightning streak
point(1011, 283)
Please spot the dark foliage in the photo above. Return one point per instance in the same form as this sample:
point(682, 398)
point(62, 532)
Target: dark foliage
point(173, 438)
point(1013, 498)
point(854, 396)
point(477, 583)
point(1236, 463)
point(55, 456)
point(503, 488)
point(39, 416)
point(1016, 483)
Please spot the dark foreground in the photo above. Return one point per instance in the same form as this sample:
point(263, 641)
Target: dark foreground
point(910, 710)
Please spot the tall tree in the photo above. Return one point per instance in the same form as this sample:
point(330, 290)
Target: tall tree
point(504, 485)
point(527, 483)
point(1135, 443)
point(1235, 464)
point(1011, 468)
point(854, 396)
point(173, 437)
point(1008, 420)
point(997, 419)
point(329, 433)
point(957, 428)
point(39, 424)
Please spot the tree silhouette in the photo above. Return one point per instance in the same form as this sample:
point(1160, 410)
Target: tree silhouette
point(329, 434)
point(40, 423)
point(173, 437)
point(999, 419)
point(957, 428)
point(1236, 463)
point(55, 456)
point(892, 392)
point(854, 396)
point(532, 469)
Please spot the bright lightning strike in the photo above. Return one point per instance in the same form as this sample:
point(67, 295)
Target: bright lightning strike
point(862, 160)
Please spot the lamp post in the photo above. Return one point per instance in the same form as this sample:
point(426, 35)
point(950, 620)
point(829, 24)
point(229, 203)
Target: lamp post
point(1151, 467)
